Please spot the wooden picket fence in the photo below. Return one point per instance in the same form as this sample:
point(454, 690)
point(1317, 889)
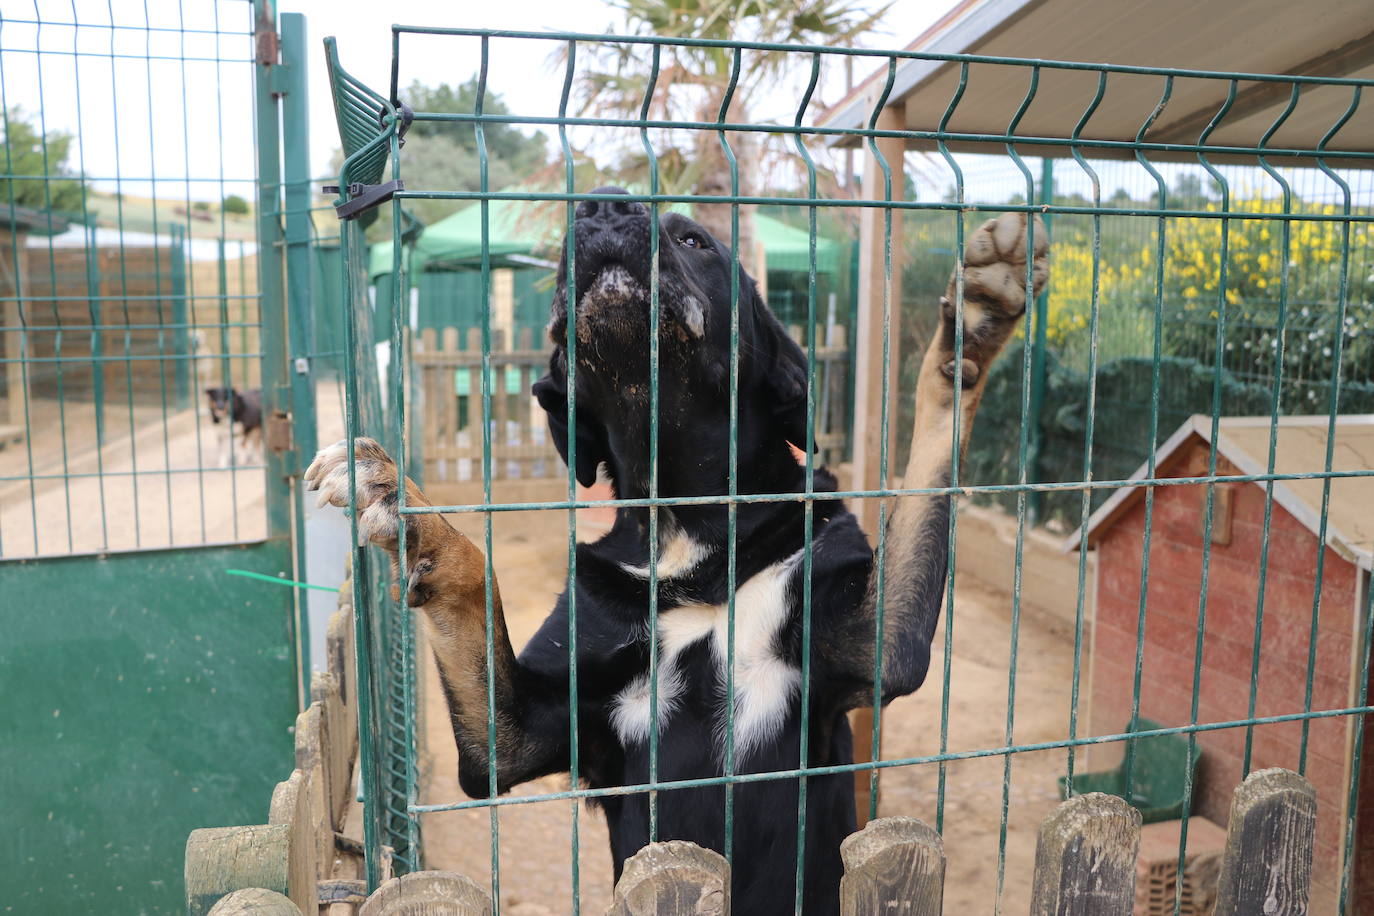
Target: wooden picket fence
point(448, 406)
point(448, 388)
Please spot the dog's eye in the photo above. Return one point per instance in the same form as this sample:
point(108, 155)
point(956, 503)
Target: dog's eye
point(692, 240)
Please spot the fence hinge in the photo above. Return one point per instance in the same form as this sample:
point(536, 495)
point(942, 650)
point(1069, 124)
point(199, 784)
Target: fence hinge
point(265, 37)
point(279, 80)
point(277, 434)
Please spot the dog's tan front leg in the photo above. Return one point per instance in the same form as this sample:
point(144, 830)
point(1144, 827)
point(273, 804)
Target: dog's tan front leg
point(446, 578)
point(917, 552)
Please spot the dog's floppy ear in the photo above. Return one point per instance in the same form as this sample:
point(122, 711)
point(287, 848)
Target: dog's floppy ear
point(782, 370)
point(593, 447)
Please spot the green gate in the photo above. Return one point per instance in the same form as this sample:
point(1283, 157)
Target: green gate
point(148, 689)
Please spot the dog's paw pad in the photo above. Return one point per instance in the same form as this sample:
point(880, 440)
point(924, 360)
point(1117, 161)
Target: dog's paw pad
point(995, 266)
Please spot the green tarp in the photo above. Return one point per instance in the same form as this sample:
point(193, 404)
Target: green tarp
point(457, 239)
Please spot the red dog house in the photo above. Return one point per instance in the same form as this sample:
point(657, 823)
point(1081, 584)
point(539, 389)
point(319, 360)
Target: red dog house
point(1116, 530)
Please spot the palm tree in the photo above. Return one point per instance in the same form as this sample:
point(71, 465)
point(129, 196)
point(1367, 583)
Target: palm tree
point(693, 82)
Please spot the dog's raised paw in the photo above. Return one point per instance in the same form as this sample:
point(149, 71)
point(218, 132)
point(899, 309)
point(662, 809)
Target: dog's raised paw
point(995, 268)
point(375, 476)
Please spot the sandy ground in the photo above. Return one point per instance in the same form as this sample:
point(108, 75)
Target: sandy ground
point(155, 482)
point(535, 839)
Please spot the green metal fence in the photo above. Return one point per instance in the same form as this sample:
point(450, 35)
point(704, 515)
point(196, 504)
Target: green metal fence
point(1211, 319)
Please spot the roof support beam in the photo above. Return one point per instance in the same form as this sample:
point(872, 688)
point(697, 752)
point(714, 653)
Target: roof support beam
point(1348, 58)
point(871, 424)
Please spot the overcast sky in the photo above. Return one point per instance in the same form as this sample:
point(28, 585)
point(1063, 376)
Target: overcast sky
point(184, 115)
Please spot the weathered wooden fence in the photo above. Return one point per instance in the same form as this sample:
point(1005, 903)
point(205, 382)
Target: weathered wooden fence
point(1086, 863)
point(448, 408)
point(448, 385)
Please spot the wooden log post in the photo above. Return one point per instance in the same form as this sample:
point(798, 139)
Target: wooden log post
point(893, 865)
point(336, 744)
point(255, 901)
point(428, 893)
point(220, 860)
point(1267, 866)
point(675, 878)
point(310, 754)
point(294, 804)
point(1085, 858)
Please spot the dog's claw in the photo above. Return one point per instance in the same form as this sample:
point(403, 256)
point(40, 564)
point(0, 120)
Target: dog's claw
point(328, 473)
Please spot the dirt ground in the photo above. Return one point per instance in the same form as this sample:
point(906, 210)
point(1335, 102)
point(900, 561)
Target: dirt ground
point(154, 480)
point(535, 839)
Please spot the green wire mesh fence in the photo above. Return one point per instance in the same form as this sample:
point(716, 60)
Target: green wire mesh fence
point(124, 300)
point(1226, 273)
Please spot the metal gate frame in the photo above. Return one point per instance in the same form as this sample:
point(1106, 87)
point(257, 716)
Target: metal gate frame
point(148, 693)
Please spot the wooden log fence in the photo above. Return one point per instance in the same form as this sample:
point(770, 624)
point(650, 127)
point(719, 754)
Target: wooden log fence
point(1085, 865)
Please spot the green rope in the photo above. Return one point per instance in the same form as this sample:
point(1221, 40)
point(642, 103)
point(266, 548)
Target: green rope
point(278, 580)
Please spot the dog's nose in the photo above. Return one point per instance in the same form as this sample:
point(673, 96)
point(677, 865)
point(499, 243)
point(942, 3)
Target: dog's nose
point(609, 209)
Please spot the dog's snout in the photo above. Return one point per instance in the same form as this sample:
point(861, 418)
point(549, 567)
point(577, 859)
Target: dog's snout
point(609, 209)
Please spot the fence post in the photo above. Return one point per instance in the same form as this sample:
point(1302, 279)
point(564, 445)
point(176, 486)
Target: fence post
point(428, 893)
point(1035, 503)
point(1085, 858)
point(893, 865)
point(220, 860)
point(300, 304)
point(272, 301)
point(254, 901)
point(675, 878)
point(293, 804)
point(1267, 866)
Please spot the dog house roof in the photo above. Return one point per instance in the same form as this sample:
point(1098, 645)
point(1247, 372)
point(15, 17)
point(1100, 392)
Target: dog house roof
point(1300, 449)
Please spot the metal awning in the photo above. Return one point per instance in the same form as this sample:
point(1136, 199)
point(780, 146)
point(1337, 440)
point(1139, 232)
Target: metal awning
point(1333, 39)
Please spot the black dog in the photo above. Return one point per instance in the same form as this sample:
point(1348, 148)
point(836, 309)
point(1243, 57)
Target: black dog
point(611, 323)
point(229, 406)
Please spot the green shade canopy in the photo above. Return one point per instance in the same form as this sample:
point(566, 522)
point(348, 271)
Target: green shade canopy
point(457, 239)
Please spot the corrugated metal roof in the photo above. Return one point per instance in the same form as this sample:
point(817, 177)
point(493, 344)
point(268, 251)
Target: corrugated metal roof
point(1334, 38)
point(1300, 449)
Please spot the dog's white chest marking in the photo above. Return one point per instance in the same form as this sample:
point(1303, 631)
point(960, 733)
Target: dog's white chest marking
point(678, 556)
point(764, 682)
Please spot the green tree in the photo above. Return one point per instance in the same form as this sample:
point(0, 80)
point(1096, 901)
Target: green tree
point(693, 81)
point(443, 155)
point(235, 204)
point(30, 154)
point(515, 150)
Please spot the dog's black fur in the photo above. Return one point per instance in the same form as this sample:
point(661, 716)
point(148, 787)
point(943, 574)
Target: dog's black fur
point(694, 431)
point(613, 385)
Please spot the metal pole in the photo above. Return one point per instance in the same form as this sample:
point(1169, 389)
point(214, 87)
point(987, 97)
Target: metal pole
point(1039, 362)
point(272, 311)
point(300, 296)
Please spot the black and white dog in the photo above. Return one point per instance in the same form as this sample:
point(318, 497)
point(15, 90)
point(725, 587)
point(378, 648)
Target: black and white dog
point(230, 407)
point(611, 323)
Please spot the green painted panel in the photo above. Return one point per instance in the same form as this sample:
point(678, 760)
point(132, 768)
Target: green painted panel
point(144, 695)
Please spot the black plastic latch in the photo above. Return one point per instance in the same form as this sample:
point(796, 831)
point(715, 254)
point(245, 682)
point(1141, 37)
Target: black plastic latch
point(363, 197)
